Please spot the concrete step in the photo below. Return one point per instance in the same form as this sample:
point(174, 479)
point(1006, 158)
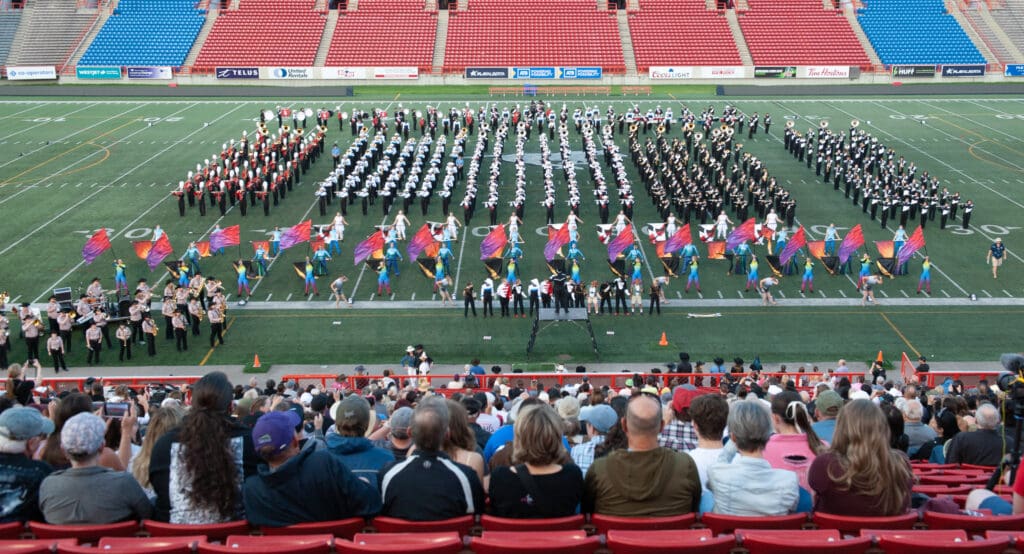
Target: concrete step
point(440, 42)
point(628, 55)
point(204, 31)
point(737, 36)
point(851, 18)
point(965, 23)
point(102, 15)
point(325, 39)
point(1012, 48)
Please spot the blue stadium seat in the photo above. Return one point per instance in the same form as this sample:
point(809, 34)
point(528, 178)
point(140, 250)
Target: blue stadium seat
point(916, 32)
point(147, 33)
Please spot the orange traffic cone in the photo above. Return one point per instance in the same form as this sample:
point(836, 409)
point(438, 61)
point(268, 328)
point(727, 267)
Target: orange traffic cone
point(664, 340)
point(256, 360)
point(880, 358)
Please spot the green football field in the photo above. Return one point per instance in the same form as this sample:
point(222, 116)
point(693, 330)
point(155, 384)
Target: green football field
point(69, 166)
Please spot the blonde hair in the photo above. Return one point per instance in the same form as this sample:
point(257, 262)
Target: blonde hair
point(538, 436)
point(161, 420)
point(869, 466)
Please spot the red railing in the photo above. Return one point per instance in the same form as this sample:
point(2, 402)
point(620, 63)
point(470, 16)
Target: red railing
point(72, 383)
point(934, 378)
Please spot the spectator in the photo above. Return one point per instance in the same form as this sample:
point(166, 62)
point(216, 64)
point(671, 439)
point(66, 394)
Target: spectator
point(460, 443)
point(794, 444)
point(87, 493)
point(748, 485)
point(983, 447)
point(428, 486)
point(917, 432)
point(710, 413)
point(21, 431)
point(395, 433)
point(301, 485)
point(898, 440)
point(487, 420)
point(161, 420)
point(597, 421)
point(17, 388)
point(349, 444)
point(678, 433)
point(544, 482)
point(197, 470)
point(66, 408)
point(826, 409)
point(472, 406)
point(645, 480)
point(504, 434)
point(860, 475)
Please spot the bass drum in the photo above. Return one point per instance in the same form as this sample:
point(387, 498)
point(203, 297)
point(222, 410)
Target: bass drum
point(123, 305)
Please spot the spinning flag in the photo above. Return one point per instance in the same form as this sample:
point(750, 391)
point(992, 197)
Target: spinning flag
point(493, 243)
point(620, 243)
point(716, 250)
point(656, 232)
point(885, 248)
point(160, 250)
point(558, 236)
point(744, 232)
point(256, 244)
point(913, 244)
point(142, 248)
point(798, 241)
point(677, 241)
point(203, 248)
point(372, 243)
point(228, 236)
point(422, 239)
point(96, 245)
point(706, 232)
point(295, 235)
point(853, 240)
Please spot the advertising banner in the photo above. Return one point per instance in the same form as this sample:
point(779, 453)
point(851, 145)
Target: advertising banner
point(343, 73)
point(722, 72)
point(396, 73)
point(1014, 70)
point(579, 72)
point(98, 72)
point(533, 73)
point(963, 71)
point(238, 73)
point(913, 71)
point(31, 73)
point(287, 73)
point(150, 73)
point(487, 73)
point(823, 72)
point(661, 72)
point(787, 72)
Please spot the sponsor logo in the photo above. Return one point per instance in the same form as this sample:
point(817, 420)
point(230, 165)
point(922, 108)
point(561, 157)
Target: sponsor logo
point(579, 72)
point(238, 73)
point(31, 73)
point(788, 72)
point(662, 73)
point(1014, 70)
point(487, 73)
point(343, 72)
point(963, 70)
point(724, 72)
point(913, 71)
point(291, 73)
point(396, 73)
point(534, 73)
point(98, 72)
point(150, 73)
point(824, 72)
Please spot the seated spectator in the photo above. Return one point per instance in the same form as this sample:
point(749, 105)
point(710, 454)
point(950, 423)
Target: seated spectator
point(301, 485)
point(87, 493)
point(349, 443)
point(983, 447)
point(544, 482)
point(597, 421)
point(898, 440)
point(460, 442)
point(860, 475)
point(917, 432)
point(678, 432)
point(645, 480)
point(161, 420)
point(197, 470)
point(826, 408)
point(473, 407)
point(710, 412)
point(794, 444)
point(394, 434)
point(21, 432)
point(51, 452)
point(428, 486)
point(503, 435)
point(748, 485)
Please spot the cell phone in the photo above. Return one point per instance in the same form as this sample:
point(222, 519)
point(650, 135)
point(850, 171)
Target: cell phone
point(97, 406)
point(115, 409)
point(382, 417)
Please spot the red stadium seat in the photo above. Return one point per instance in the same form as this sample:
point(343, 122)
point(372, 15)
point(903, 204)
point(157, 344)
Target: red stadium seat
point(123, 543)
point(383, 524)
point(33, 546)
point(11, 530)
point(244, 544)
point(492, 523)
point(721, 524)
point(449, 542)
point(345, 528)
point(183, 548)
point(938, 490)
point(765, 541)
point(530, 542)
point(955, 480)
point(84, 533)
point(215, 532)
point(622, 541)
point(972, 524)
point(925, 544)
point(604, 523)
point(851, 525)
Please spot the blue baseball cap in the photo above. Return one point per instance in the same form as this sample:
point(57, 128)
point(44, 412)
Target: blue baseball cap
point(276, 430)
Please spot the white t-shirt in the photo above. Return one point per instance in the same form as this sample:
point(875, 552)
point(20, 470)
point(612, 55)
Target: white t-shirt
point(488, 422)
point(704, 458)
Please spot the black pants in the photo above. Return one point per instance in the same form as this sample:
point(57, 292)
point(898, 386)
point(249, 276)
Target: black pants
point(106, 336)
point(168, 328)
point(504, 306)
point(468, 303)
point(488, 305)
point(605, 300)
point(33, 348)
point(58, 361)
point(3, 354)
point(620, 300)
point(126, 348)
point(655, 303)
point(150, 346)
point(195, 325)
point(517, 305)
point(94, 351)
point(216, 333)
point(66, 337)
point(137, 331)
point(180, 339)
point(534, 304)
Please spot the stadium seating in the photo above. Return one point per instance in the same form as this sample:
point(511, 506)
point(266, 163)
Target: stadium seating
point(669, 542)
point(395, 525)
point(146, 32)
point(9, 20)
point(33, 546)
point(384, 33)
point(345, 528)
point(517, 542)
point(446, 542)
point(721, 524)
point(264, 33)
point(799, 32)
point(604, 523)
point(762, 541)
point(84, 533)
point(308, 544)
point(48, 32)
point(683, 32)
point(916, 32)
point(929, 542)
point(533, 33)
point(851, 525)
point(213, 531)
point(493, 523)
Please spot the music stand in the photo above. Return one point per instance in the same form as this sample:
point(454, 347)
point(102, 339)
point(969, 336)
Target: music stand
point(550, 318)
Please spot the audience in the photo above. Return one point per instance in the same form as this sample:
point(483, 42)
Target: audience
point(710, 412)
point(984, 447)
point(394, 434)
point(460, 442)
point(543, 482)
point(21, 432)
point(917, 432)
point(645, 479)
point(826, 408)
point(597, 422)
point(161, 420)
point(794, 444)
point(348, 440)
point(860, 475)
point(678, 431)
point(61, 411)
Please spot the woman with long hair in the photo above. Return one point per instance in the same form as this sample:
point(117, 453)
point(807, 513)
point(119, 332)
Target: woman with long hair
point(197, 469)
point(161, 420)
point(860, 475)
point(794, 444)
point(460, 444)
point(542, 482)
point(51, 452)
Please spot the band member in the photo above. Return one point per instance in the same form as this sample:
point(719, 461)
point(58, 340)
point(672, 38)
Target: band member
point(320, 259)
point(995, 254)
point(124, 339)
point(135, 315)
point(95, 290)
point(30, 329)
point(383, 282)
point(693, 278)
point(100, 317)
point(487, 295)
point(468, 299)
point(52, 313)
point(65, 321)
point(336, 291)
point(655, 294)
point(192, 256)
point(195, 315)
point(243, 279)
point(216, 325)
point(149, 330)
point(867, 289)
point(310, 278)
point(808, 278)
point(752, 278)
point(55, 346)
point(167, 310)
point(94, 343)
point(180, 336)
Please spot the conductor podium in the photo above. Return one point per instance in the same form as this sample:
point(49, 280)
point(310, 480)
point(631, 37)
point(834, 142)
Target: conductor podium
point(547, 317)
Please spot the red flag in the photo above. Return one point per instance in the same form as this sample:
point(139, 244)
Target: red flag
point(744, 232)
point(161, 249)
point(816, 248)
point(493, 243)
point(422, 239)
point(204, 249)
point(716, 250)
point(913, 244)
point(795, 243)
point(851, 242)
point(885, 248)
point(229, 236)
point(680, 239)
point(96, 245)
point(372, 243)
point(256, 244)
point(316, 243)
point(142, 248)
point(620, 242)
point(296, 234)
point(556, 239)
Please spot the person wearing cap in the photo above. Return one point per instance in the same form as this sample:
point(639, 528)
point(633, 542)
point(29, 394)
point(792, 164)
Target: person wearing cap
point(678, 433)
point(300, 485)
point(88, 493)
point(644, 480)
point(394, 434)
point(348, 443)
point(995, 256)
point(826, 409)
point(22, 430)
point(597, 421)
point(409, 361)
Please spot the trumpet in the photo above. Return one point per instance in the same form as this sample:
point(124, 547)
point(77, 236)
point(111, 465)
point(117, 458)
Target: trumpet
point(4, 297)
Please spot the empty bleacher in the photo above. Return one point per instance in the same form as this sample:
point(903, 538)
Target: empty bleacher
point(264, 33)
point(533, 33)
point(146, 32)
point(681, 32)
point(9, 20)
point(1008, 16)
point(384, 33)
point(800, 32)
point(49, 31)
point(916, 32)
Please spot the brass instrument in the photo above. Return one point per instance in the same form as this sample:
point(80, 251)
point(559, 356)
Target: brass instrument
point(634, 128)
point(790, 124)
point(728, 131)
point(823, 125)
point(855, 123)
point(661, 129)
point(689, 126)
point(698, 136)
